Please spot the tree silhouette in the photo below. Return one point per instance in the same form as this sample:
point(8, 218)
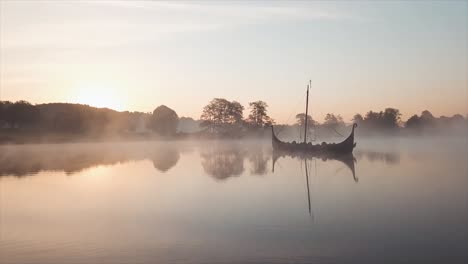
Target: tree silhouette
point(4, 105)
point(300, 120)
point(414, 122)
point(20, 114)
point(431, 124)
point(333, 121)
point(258, 116)
point(164, 121)
point(427, 116)
point(391, 118)
point(372, 118)
point(222, 116)
point(357, 118)
point(387, 120)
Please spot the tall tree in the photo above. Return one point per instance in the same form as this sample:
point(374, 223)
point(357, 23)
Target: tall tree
point(300, 120)
point(222, 115)
point(414, 122)
point(427, 115)
point(164, 121)
point(357, 118)
point(333, 121)
point(258, 116)
point(391, 118)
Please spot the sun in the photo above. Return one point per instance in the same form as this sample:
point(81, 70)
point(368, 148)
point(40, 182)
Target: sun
point(98, 96)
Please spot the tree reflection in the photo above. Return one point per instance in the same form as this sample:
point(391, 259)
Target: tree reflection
point(72, 158)
point(222, 163)
point(258, 161)
point(165, 158)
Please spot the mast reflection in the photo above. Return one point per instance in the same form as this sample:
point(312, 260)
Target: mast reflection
point(347, 159)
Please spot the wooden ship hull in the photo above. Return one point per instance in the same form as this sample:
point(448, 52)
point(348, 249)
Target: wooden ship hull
point(327, 149)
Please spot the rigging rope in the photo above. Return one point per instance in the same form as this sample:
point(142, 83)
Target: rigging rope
point(336, 131)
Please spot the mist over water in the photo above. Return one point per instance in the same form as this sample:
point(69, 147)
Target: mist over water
point(187, 132)
point(222, 202)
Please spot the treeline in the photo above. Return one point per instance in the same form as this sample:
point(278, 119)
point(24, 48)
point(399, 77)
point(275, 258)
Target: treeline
point(23, 122)
point(386, 122)
point(219, 118)
point(66, 118)
point(226, 118)
point(389, 122)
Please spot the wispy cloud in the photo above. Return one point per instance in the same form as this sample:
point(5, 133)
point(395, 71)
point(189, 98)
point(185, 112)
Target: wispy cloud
point(110, 23)
point(241, 12)
point(107, 23)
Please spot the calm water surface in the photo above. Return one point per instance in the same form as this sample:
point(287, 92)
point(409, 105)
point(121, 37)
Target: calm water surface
point(208, 202)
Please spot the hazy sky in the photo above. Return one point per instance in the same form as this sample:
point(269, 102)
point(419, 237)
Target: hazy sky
point(133, 55)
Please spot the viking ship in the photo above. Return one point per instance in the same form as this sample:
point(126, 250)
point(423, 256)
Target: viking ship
point(341, 148)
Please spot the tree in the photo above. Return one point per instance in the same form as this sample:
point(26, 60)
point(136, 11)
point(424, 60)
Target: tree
point(391, 118)
point(235, 113)
point(372, 118)
point(333, 121)
point(357, 118)
point(258, 114)
point(222, 115)
point(4, 105)
point(20, 113)
point(458, 117)
point(164, 121)
point(427, 116)
point(413, 122)
point(300, 120)
point(388, 119)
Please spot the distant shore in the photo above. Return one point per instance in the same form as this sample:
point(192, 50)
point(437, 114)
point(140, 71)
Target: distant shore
point(23, 123)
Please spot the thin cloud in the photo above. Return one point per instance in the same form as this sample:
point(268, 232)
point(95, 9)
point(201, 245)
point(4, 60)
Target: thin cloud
point(113, 23)
point(236, 10)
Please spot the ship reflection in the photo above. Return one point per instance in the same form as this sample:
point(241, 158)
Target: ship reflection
point(347, 159)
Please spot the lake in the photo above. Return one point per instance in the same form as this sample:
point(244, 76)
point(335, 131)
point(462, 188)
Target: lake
point(400, 201)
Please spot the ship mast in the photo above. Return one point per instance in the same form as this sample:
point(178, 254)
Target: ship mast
point(306, 112)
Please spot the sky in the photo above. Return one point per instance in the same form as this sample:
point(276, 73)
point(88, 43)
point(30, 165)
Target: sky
point(136, 55)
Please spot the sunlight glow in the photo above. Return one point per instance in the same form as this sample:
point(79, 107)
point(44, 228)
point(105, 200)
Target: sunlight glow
point(98, 96)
